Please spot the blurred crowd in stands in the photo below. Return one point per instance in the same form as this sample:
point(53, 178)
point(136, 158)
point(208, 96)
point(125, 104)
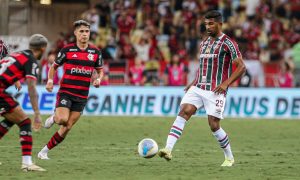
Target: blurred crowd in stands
point(155, 42)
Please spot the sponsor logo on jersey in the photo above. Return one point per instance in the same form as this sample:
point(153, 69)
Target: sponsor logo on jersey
point(72, 49)
point(82, 70)
point(208, 55)
point(74, 56)
point(91, 51)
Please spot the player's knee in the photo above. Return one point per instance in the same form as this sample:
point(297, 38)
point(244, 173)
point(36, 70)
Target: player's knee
point(185, 113)
point(61, 120)
point(214, 126)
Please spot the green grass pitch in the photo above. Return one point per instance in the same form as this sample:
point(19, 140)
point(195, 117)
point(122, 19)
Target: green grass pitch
point(106, 148)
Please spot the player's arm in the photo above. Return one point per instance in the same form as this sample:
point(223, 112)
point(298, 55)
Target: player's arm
point(33, 95)
point(31, 75)
point(99, 69)
point(60, 60)
point(51, 72)
point(239, 71)
point(99, 76)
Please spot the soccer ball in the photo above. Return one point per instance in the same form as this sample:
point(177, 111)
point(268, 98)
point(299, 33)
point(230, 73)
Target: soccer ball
point(147, 148)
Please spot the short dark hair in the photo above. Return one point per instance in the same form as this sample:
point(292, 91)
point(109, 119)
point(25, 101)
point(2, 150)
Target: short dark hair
point(37, 41)
point(79, 23)
point(214, 14)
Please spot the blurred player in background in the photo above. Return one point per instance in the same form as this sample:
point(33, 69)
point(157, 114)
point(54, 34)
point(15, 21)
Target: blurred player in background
point(217, 54)
point(13, 68)
point(4, 50)
point(79, 60)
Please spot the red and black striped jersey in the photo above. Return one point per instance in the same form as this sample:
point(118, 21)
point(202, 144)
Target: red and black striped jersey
point(17, 66)
point(78, 68)
point(216, 57)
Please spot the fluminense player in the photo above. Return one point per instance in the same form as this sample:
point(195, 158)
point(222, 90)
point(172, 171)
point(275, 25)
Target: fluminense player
point(79, 60)
point(218, 53)
point(13, 68)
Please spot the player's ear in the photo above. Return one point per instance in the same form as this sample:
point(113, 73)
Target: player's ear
point(75, 32)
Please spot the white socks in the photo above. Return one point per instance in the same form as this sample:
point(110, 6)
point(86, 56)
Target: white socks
point(175, 132)
point(45, 149)
point(27, 160)
point(223, 140)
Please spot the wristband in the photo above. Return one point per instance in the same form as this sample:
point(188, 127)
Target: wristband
point(50, 81)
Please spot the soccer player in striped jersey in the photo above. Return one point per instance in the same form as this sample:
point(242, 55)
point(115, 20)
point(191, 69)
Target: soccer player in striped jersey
point(218, 53)
point(79, 60)
point(13, 68)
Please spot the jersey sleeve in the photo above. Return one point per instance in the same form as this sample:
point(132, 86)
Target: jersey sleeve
point(31, 69)
point(60, 58)
point(233, 49)
point(99, 61)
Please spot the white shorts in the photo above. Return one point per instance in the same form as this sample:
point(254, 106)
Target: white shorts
point(213, 103)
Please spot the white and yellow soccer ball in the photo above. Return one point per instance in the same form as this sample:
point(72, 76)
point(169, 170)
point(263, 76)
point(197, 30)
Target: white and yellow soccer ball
point(147, 148)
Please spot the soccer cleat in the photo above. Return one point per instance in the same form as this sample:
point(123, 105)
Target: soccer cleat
point(49, 122)
point(228, 162)
point(165, 153)
point(32, 167)
point(43, 156)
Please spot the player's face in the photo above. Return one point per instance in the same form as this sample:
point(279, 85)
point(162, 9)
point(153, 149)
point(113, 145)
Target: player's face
point(212, 27)
point(41, 53)
point(82, 34)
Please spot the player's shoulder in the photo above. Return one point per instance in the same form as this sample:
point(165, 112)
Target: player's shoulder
point(23, 55)
point(69, 46)
point(228, 40)
point(93, 48)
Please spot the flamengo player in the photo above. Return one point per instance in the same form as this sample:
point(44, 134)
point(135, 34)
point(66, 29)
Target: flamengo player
point(79, 60)
point(12, 69)
point(217, 54)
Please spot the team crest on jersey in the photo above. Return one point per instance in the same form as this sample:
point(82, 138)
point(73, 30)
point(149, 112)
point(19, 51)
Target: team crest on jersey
point(91, 57)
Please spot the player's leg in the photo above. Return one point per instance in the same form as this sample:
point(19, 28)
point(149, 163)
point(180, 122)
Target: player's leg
point(62, 111)
point(7, 104)
point(17, 116)
point(5, 125)
point(189, 105)
point(76, 108)
point(60, 135)
point(187, 110)
point(222, 139)
point(214, 105)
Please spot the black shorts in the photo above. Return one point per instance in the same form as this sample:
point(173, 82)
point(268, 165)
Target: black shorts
point(7, 102)
point(71, 102)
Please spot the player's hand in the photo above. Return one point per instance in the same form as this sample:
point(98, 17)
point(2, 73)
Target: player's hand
point(96, 83)
point(18, 85)
point(221, 89)
point(49, 85)
point(37, 122)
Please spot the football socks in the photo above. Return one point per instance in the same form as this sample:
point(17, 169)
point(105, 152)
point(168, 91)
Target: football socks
point(175, 132)
point(223, 140)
